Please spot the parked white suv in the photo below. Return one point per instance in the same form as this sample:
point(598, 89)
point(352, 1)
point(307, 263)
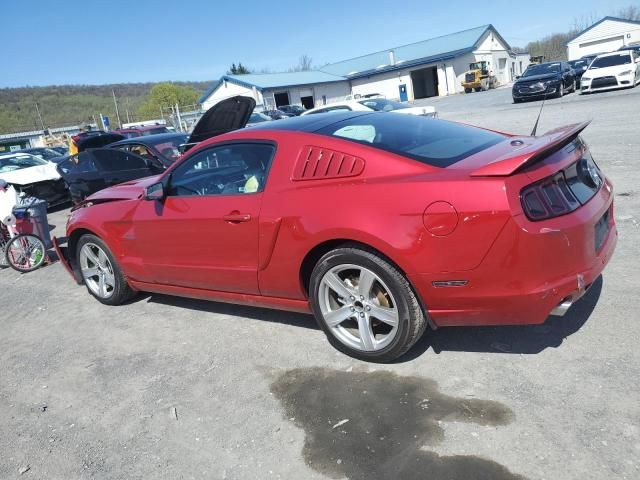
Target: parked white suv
point(612, 70)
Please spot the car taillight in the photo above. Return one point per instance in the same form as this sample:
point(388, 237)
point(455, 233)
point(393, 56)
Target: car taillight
point(548, 198)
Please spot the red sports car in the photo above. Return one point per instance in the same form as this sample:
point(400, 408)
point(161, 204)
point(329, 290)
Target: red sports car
point(378, 224)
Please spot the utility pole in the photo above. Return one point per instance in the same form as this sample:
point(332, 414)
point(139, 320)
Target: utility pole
point(39, 116)
point(116, 104)
point(179, 119)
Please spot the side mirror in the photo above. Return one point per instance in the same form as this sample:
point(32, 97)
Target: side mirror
point(154, 192)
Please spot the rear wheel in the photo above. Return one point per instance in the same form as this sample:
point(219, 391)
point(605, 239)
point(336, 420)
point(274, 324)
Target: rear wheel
point(477, 89)
point(25, 252)
point(100, 272)
point(467, 90)
point(365, 305)
point(560, 92)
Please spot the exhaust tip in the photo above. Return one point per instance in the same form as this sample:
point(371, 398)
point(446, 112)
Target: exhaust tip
point(562, 307)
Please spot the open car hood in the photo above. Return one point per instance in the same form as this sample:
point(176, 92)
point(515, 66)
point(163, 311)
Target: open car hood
point(124, 191)
point(97, 141)
point(226, 116)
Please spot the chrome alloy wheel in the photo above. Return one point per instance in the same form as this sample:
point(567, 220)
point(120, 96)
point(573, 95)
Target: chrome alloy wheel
point(358, 308)
point(97, 270)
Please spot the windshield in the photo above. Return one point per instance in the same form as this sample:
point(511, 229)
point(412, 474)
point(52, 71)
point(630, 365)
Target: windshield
point(257, 117)
point(18, 162)
point(382, 104)
point(611, 60)
point(541, 69)
point(154, 131)
point(433, 142)
point(170, 148)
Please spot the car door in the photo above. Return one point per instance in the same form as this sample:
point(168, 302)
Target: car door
point(204, 234)
point(81, 175)
point(118, 166)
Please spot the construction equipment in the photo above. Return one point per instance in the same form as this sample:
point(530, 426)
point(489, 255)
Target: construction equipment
point(536, 59)
point(478, 78)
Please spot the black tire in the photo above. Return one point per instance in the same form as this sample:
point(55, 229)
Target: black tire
point(25, 243)
point(560, 91)
point(467, 90)
point(517, 100)
point(121, 291)
point(477, 89)
point(412, 320)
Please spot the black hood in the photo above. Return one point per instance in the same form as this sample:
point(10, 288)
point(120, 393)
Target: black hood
point(538, 78)
point(226, 116)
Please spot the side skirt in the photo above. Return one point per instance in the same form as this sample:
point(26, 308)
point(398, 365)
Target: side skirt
point(300, 306)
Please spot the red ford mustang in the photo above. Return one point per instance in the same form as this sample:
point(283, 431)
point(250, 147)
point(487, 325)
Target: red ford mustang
point(379, 224)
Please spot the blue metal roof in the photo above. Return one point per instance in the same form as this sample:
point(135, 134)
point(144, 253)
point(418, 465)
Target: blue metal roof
point(426, 51)
point(275, 80)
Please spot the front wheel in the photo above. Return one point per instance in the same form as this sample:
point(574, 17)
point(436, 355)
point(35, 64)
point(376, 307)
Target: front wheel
point(100, 272)
point(25, 252)
point(365, 305)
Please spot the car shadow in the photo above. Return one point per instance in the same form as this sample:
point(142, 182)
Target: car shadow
point(519, 339)
point(255, 313)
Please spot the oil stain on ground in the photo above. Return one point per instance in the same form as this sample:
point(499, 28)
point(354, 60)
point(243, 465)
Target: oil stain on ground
point(376, 425)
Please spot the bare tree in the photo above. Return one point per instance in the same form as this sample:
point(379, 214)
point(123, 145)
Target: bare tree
point(584, 21)
point(304, 64)
point(632, 12)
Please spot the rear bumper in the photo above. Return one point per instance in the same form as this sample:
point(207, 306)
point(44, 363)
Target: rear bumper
point(531, 272)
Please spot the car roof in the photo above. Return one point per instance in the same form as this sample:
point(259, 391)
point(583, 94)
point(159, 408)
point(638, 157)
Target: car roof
point(150, 139)
point(310, 123)
point(612, 54)
point(141, 128)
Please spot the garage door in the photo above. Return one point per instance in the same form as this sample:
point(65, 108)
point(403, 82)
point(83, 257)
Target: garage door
point(602, 46)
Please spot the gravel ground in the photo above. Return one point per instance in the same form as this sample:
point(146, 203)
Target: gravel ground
point(172, 388)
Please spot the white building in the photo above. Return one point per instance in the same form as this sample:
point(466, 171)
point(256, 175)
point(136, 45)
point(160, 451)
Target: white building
point(607, 35)
point(433, 67)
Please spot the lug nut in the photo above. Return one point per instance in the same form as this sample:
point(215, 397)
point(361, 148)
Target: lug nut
point(352, 298)
point(362, 314)
point(361, 297)
point(367, 308)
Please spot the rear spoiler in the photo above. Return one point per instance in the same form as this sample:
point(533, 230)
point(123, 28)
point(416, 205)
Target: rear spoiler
point(540, 148)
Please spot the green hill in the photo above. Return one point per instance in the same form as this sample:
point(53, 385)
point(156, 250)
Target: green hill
point(62, 105)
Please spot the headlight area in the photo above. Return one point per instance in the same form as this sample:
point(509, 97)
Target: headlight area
point(625, 73)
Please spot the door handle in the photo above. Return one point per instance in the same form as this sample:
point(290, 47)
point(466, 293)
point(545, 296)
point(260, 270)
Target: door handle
point(236, 217)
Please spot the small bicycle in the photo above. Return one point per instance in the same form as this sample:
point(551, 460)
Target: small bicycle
point(20, 248)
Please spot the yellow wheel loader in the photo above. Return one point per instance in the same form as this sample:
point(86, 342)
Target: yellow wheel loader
point(478, 78)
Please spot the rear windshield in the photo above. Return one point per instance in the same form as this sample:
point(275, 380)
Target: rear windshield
point(541, 69)
point(434, 142)
point(611, 60)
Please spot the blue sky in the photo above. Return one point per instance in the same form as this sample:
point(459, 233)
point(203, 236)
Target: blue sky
point(97, 42)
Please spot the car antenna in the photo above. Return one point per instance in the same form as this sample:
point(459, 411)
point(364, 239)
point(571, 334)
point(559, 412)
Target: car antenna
point(535, 126)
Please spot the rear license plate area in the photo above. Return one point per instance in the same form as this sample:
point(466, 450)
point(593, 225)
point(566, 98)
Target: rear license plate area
point(602, 229)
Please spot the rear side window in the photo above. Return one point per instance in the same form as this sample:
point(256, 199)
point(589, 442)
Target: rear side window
point(111, 160)
point(434, 142)
point(80, 163)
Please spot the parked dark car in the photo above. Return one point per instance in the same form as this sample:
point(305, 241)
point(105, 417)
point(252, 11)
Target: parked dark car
point(635, 46)
point(45, 153)
point(162, 149)
point(95, 169)
point(92, 139)
point(277, 114)
point(294, 110)
point(142, 131)
point(61, 150)
point(580, 66)
point(544, 80)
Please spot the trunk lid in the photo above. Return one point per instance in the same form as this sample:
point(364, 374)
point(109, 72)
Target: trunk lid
point(517, 153)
